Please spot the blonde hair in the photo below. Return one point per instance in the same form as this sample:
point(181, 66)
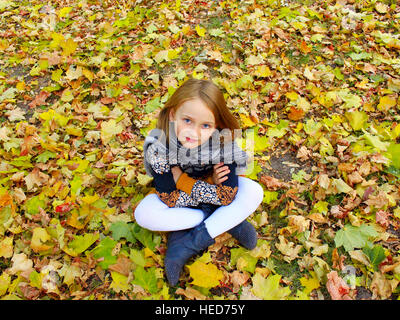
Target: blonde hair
point(209, 94)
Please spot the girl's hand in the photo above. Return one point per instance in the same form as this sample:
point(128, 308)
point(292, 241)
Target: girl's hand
point(176, 172)
point(219, 173)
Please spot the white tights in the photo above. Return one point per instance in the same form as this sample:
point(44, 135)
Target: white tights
point(153, 214)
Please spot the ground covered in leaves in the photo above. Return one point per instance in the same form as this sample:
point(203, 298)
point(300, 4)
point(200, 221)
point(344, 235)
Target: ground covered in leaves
point(314, 83)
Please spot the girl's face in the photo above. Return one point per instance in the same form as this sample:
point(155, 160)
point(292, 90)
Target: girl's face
point(194, 123)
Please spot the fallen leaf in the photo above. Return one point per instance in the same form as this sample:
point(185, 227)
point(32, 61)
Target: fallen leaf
point(205, 275)
point(336, 287)
point(269, 288)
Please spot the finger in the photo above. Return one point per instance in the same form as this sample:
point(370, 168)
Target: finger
point(222, 175)
point(224, 172)
point(218, 165)
point(222, 169)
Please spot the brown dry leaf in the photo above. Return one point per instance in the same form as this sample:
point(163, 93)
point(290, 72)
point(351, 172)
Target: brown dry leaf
point(354, 178)
point(238, 279)
point(298, 223)
point(39, 100)
point(317, 217)
point(382, 218)
point(303, 154)
point(191, 294)
point(380, 286)
point(36, 178)
point(337, 261)
point(219, 242)
point(378, 201)
point(272, 183)
point(280, 33)
point(289, 249)
point(21, 263)
point(360, 256)
point(346, 167)
point(324, 181)
point(338, 212)
point(122, 266)
point(52, 58)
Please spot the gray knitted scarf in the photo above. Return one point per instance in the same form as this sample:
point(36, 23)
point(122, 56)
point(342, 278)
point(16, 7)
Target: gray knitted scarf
point(200, 158)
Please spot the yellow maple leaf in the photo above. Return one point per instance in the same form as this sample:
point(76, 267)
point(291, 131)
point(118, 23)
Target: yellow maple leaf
point(109, 129)
point(246, 120)
point(205, 275)
point(311, 283)
point(262, 71)
point(119, 283)
point(200, 31)
point(269, 288)
point(69, 46)
point(90, 199)
point(6, 247)
point(292, 95)
point(62, 13)
point(39, 237)
point(88, 74)
point(386, 102)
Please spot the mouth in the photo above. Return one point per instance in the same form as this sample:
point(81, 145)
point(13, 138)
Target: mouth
point(190, 140)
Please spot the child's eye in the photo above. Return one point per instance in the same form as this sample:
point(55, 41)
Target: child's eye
point(186, 120)
point(206, 126)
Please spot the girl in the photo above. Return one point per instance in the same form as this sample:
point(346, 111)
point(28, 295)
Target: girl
point(198, 193)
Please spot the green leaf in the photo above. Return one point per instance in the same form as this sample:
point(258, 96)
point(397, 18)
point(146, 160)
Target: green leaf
point(32, 206)
point(392, 170)
point(138, 257)
point(375, 142)
point(270, 196)
point(338, 74)
point(311, 127)
point(146, 279)
point(119, 282)
point(217, 33)
point(45, 156)
point(146, 237)
point(104, 250)
point(253, 170)
point(375, 254)
point(393, 152)
point(152, 105)
point(35, 279)
point(299, 176)
point(243, 260)
point(121, 229)
point(360, 56)
point(351, 237)
point(80, 244)
point(280, 130)
point(350, 100)
point(76, 185)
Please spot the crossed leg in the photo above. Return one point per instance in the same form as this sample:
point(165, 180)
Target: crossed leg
point(153, 214)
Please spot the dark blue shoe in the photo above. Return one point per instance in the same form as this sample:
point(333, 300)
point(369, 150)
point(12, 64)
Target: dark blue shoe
point(246, 234)
point(182, 245)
